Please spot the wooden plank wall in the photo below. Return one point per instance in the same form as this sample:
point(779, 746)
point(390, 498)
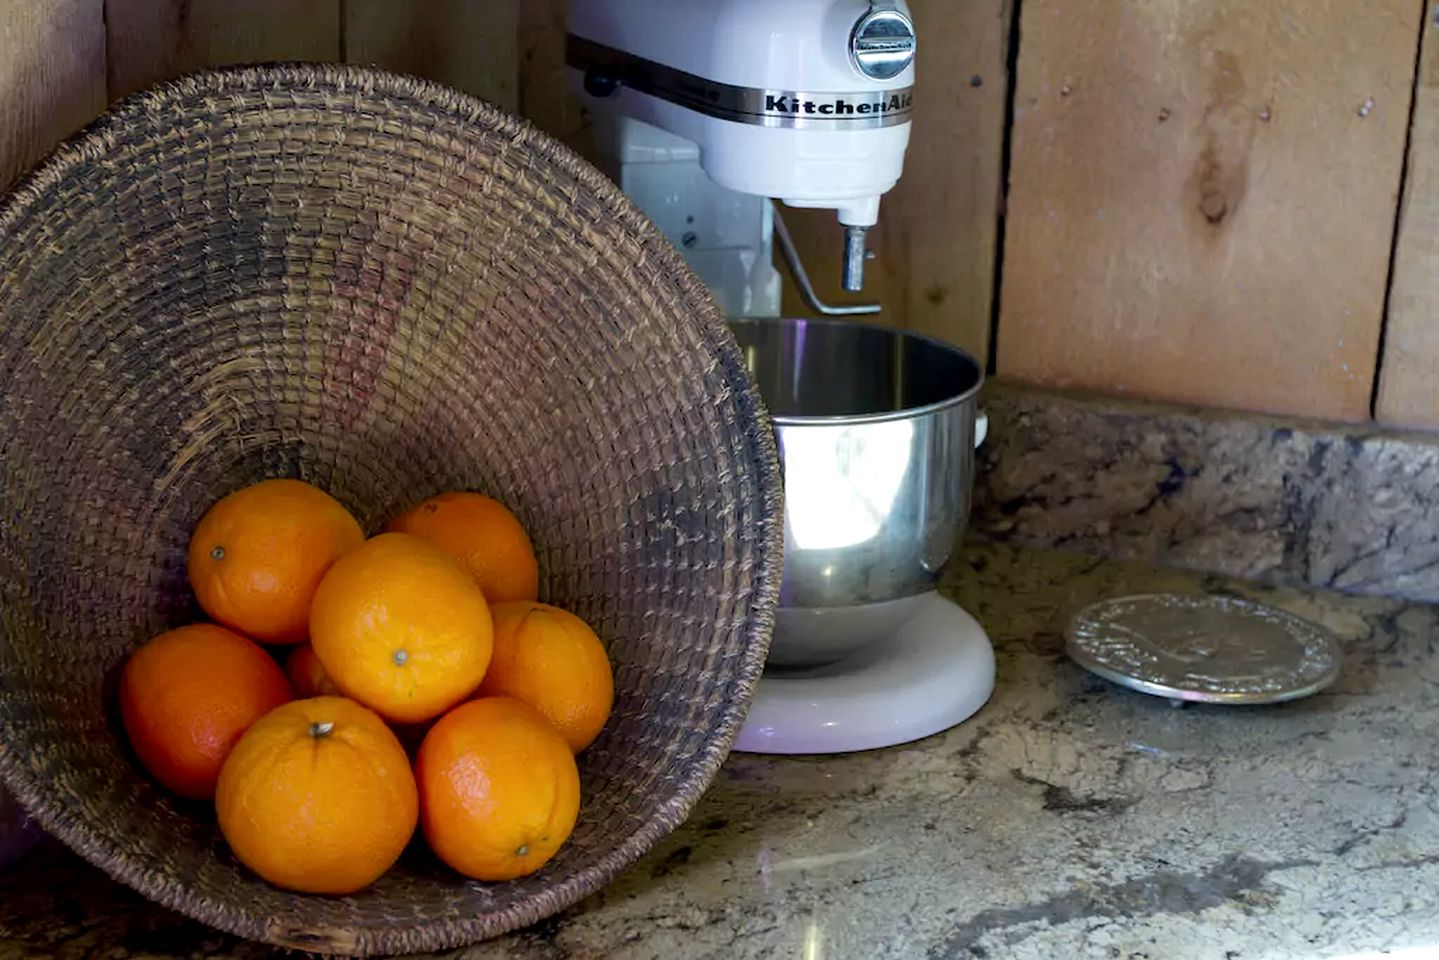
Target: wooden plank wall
point(154, 40)
point(1409, 373)
point(468, 44)
point(935, 243)
point(1202, 198)
point(544, 96)
point(936, 239)
point(52, 76)
point(61, 60)
point(947, 205)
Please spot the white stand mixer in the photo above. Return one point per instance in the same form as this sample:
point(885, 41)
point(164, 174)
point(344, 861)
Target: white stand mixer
point(709, 111)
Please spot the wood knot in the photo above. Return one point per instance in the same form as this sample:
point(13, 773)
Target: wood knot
point(1213, 206)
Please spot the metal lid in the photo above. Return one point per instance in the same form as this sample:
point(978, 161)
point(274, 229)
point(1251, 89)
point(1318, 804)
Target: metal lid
point(1204, 648)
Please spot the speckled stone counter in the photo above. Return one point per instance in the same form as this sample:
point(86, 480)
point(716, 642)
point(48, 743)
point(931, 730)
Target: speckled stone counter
point(1070, 818)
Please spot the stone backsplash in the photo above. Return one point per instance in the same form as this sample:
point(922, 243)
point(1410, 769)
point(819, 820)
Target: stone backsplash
point(1309, 504)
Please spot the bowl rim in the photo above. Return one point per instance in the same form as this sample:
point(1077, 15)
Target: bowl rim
point(885, 416)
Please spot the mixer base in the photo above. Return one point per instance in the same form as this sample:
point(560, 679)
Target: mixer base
point(935, 672)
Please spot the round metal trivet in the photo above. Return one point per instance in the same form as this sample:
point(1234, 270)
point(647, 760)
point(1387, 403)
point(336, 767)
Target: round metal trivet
point(1204, 648)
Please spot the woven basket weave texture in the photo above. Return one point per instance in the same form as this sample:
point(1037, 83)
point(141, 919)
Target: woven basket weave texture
point(388, 289)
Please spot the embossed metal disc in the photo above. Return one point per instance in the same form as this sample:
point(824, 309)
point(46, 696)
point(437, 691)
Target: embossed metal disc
point(1203, 648)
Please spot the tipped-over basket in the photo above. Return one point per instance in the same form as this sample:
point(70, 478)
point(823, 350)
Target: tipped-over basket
point(388, 289)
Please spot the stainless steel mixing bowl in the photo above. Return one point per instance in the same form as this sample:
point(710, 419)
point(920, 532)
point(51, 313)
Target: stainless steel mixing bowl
point(877, 434)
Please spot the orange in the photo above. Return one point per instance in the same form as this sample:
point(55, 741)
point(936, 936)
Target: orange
point(499, 789)
point(188, 695)
point(318, 797)
point(553, 661)
point(307, 675)
point(483, 535)
point(401, 627)
point(258, 554)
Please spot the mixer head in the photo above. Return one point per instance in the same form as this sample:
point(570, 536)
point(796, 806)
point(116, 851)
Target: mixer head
point(806, 101)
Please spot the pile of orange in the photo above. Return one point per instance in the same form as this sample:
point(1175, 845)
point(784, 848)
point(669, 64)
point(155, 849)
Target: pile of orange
point(428, 634)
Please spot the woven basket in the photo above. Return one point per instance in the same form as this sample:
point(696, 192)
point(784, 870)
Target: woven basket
point(388, 289)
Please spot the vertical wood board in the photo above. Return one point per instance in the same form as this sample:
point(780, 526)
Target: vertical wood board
point(545, 96)
point(1408, 393)
point(155, 40)
point(52, 77)
point(468, 44)
point(935, 242)
point(1202, 198)
point(947, 204)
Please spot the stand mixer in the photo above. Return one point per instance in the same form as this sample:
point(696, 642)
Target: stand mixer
point(708, 112)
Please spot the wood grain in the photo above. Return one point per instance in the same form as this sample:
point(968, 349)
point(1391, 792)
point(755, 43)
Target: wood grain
point(52, 76)
point(1408, 393)
point(545, 96)
point(1202, 198)
point(469, 44)
point(945, 210)
point(154, 40)
point(935, 242)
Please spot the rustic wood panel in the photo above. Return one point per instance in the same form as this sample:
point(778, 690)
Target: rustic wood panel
point(153, 40)
point(52, 76)
point(946, 207)
point(469, 44)
point(545, 96)
point(1202, 198)
point(1409, 369)
point(935, 243)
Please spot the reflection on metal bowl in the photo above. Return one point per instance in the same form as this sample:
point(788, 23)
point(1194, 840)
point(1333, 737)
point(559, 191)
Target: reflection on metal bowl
point(877, 433)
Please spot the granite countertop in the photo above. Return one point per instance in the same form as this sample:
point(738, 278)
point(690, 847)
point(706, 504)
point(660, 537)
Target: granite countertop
point(1069, 818)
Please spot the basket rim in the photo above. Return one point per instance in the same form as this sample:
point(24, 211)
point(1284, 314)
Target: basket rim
point(96, 140)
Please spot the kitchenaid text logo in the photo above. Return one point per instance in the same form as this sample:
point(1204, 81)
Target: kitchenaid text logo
point(790, 105)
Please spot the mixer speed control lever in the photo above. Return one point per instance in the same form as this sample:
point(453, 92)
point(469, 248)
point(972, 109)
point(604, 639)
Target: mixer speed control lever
point(881, 45)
